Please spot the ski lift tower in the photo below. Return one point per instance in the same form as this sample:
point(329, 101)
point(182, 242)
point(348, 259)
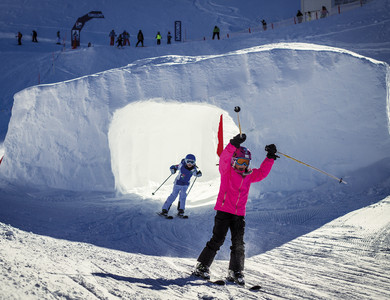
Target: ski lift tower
point(75, 35)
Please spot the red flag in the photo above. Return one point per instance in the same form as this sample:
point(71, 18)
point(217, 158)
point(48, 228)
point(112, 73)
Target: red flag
point(220, 137)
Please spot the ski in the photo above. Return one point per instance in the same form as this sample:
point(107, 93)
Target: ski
point(183, 216)
point(255, 287)
point(164, 216)
point(224, 282)
point(217, 282)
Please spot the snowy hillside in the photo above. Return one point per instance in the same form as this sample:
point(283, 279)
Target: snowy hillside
point(86, 147)
point(78, 140)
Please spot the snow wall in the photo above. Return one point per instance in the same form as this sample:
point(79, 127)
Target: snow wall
point(121, 129)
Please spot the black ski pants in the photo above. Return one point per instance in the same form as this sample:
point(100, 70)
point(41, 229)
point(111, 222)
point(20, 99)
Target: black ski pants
point(222, 223)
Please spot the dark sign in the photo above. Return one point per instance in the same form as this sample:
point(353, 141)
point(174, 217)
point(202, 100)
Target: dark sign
point(178, 31)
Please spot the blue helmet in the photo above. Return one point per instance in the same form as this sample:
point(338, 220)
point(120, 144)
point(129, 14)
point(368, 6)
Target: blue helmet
point(190, 158)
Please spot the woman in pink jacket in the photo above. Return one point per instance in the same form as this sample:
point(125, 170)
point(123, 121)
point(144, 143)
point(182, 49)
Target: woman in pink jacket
point(236, 178)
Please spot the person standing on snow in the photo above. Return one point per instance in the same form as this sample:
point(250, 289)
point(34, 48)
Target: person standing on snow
point(186, 168)
point(58, 38)
point(158, 37)
point(119, 41)
point(34, 36)
point(169, 38)
point(236, 178)
point(140, 38)
point(19, 36)
point(126, 38)
point(216, 31)
point(299, 16)
point(112, 36)
point(264, 24)
point(324, 12)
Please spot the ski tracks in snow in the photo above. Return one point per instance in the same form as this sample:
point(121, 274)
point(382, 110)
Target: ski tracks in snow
point(345, 259)
point(221, 12)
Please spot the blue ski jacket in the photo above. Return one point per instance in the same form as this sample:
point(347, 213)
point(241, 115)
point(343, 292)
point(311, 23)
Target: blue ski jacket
point(185, 173)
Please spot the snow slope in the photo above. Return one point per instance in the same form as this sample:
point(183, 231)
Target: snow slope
point(345, 259)
point(85, 150)
point(363, 30)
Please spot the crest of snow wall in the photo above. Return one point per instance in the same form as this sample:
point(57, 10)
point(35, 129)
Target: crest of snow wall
point(325, 107)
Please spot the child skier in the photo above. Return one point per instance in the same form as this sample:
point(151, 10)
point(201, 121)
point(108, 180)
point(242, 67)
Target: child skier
point(236, 178)
point(187, 168)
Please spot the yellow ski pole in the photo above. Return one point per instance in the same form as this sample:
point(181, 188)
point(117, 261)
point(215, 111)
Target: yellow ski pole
point(340, 180)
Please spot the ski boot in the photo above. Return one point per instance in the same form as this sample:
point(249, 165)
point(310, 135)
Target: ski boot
point(180, 214)
point(164, 213)
point(202, 271)
point(236, 277)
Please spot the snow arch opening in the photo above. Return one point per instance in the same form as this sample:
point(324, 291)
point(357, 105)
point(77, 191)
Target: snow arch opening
point(147, 137)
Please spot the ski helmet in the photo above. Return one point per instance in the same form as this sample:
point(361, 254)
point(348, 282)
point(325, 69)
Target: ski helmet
point(190, 158)
point(242, 152)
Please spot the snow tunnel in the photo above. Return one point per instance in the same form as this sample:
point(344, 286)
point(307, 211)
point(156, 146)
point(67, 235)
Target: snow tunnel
point(147, 137)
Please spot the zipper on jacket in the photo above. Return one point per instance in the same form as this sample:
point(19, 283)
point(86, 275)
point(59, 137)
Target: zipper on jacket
point(224, 198)
point(239, 194)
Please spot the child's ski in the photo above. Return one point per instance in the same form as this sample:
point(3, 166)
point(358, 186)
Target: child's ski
point(183, 216)
point(164, 216)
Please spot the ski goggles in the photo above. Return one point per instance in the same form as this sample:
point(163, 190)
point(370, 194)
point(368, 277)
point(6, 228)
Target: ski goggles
point(242, 161)
point(190, 161)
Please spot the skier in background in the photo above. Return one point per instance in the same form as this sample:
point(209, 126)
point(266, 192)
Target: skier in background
point(58, 38)
point(158, 37)
point(34, 36)
point(119, 41)
point(112, 36)
point(169, 37)
point(140, 38)
point(186, 168)
point(299, 16)
point(324, 12)
point(216, 31)
point(264, 24)
point(236, 178)
point(19, 36)
point(126, 38)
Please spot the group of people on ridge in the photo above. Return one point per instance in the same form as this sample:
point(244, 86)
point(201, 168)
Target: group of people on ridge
point(34, 36)
point(124, 38)
point(236, 179)
point(323, 14)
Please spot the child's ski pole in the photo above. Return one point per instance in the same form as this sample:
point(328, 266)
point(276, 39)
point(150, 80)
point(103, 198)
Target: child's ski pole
point(162, 184)
point(340, 180)
point(191, 186)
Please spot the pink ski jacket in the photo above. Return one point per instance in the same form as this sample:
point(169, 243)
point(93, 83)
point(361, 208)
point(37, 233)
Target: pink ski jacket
point(234, 189)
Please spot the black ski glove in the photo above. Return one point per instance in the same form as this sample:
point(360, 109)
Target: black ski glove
point(238, 140)
point(271, 151)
